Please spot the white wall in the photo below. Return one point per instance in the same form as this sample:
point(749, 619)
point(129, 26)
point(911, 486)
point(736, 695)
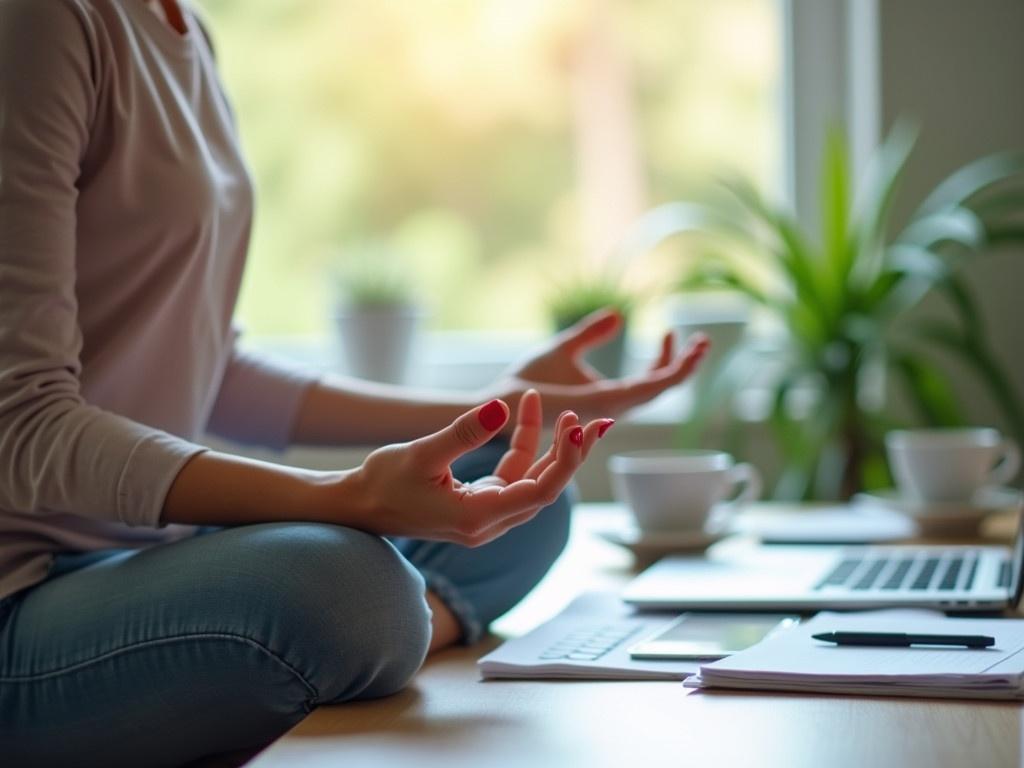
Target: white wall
point(957, 67)
point(954, 67)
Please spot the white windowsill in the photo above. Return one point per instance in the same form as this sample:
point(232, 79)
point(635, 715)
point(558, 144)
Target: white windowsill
point(468, 360)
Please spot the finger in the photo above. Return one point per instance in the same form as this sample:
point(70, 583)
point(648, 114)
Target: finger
point(594, 329)
point(617, 396)
point(668, 343)
point(471, 430)
point(593, 432)
point(554, 478)
point(500, 504)
point(543, 494)
point(640, 390)
point(590, 435)
point(525, 439)
point(565, 420)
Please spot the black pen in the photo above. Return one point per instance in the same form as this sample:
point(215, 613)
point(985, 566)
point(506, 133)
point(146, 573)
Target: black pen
point(901, 640)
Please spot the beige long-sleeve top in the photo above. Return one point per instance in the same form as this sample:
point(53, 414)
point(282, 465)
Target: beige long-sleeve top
point(125, 212)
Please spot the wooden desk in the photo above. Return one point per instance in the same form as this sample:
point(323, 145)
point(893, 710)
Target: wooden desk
point(448, 718)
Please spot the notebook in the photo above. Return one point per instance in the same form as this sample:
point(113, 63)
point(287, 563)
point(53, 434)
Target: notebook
point(588, 640)
point(793, 661)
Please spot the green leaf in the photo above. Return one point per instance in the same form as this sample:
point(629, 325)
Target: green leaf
point(956, 225)
point(929, 390)
point(911, 273)
point(789, 248)
point(972, 179)
point(1006, 234)
point(875, 197)
point(835, 185)
point(797, 477)
point(955, 289)
point(714, 272)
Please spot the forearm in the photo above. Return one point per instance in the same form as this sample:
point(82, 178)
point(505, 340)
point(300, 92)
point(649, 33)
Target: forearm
point(343, 411)
point(219, 489)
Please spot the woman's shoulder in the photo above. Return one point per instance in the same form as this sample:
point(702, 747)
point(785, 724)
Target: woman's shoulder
point(45, 21)
point(42, 17)
point(34, 23)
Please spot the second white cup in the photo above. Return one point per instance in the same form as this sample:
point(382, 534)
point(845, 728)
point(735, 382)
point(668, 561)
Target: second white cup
point(682, 491)
point(942, 465)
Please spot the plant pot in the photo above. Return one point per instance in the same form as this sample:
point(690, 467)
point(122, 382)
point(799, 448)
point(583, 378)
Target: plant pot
point(722, 317)
point(377, 341)
point(608, 359)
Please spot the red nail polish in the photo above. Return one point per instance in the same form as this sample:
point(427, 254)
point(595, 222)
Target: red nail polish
point(576, 436)
point(608, 424)
point(492, 415)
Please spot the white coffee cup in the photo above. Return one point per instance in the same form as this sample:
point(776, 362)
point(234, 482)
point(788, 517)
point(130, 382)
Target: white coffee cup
point(940, 465)
point(682, 491)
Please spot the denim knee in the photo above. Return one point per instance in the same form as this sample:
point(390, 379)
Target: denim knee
point(344, 607)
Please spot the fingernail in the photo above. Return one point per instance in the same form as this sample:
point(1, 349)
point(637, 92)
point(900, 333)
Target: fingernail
point(576, 436)
point(492, 415)
point(608, 424)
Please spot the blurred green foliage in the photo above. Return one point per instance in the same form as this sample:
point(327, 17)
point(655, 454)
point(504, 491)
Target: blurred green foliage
point(845, 301)
point(445, 128)
point(572, 301)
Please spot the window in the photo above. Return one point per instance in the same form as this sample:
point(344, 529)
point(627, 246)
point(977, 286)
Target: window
point(498, 146)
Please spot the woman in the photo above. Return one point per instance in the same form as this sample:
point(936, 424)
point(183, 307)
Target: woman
point(132, 631)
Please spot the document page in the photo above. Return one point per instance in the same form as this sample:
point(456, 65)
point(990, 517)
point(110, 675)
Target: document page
point(793, 660)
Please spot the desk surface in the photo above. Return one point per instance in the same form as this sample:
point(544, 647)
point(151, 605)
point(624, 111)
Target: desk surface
point(449, 718)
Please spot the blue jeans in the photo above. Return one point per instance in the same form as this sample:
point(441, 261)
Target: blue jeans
point(224, 641)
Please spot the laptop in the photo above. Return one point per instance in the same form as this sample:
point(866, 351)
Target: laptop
point(798, 578)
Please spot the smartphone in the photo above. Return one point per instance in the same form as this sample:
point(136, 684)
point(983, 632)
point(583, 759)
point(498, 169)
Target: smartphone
point(711, 635)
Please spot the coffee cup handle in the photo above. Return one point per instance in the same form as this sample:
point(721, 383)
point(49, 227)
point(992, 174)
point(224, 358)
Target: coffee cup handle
point(1009, 463)
point(746, 476)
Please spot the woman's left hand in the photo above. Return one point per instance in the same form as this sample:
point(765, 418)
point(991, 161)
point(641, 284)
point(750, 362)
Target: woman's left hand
point(567, 382)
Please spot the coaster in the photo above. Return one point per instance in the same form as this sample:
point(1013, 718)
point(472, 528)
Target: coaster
point(660, 543)
point(780, 522)
point(948, 517)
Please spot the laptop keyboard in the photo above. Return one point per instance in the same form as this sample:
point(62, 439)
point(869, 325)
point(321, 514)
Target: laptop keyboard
point(944, 572)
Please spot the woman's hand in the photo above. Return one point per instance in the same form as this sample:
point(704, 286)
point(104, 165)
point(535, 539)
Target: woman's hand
point(408, 489)
point(567, 381)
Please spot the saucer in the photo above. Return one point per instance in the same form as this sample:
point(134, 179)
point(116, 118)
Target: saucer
point(658, 543)
point(947, 517)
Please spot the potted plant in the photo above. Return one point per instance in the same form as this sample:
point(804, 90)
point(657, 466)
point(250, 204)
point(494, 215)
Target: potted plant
point(574, 300)
point(842, 302)
point(377, 314)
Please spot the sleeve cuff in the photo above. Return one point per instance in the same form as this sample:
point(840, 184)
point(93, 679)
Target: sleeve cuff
point(152, 466)
point(259, 401)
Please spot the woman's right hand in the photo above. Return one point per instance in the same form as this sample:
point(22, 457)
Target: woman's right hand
point(408, 489)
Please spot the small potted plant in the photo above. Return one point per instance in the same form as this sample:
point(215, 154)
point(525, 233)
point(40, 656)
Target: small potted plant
point(573, 301)
point(377, 314)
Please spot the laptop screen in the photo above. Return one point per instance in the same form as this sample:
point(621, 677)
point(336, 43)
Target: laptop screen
point(1017, 566)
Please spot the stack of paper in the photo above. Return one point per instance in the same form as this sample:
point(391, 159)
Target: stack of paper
point(589, 640)
point(794, 661)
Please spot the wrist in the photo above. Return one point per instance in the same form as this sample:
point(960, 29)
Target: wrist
point(343, 498)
